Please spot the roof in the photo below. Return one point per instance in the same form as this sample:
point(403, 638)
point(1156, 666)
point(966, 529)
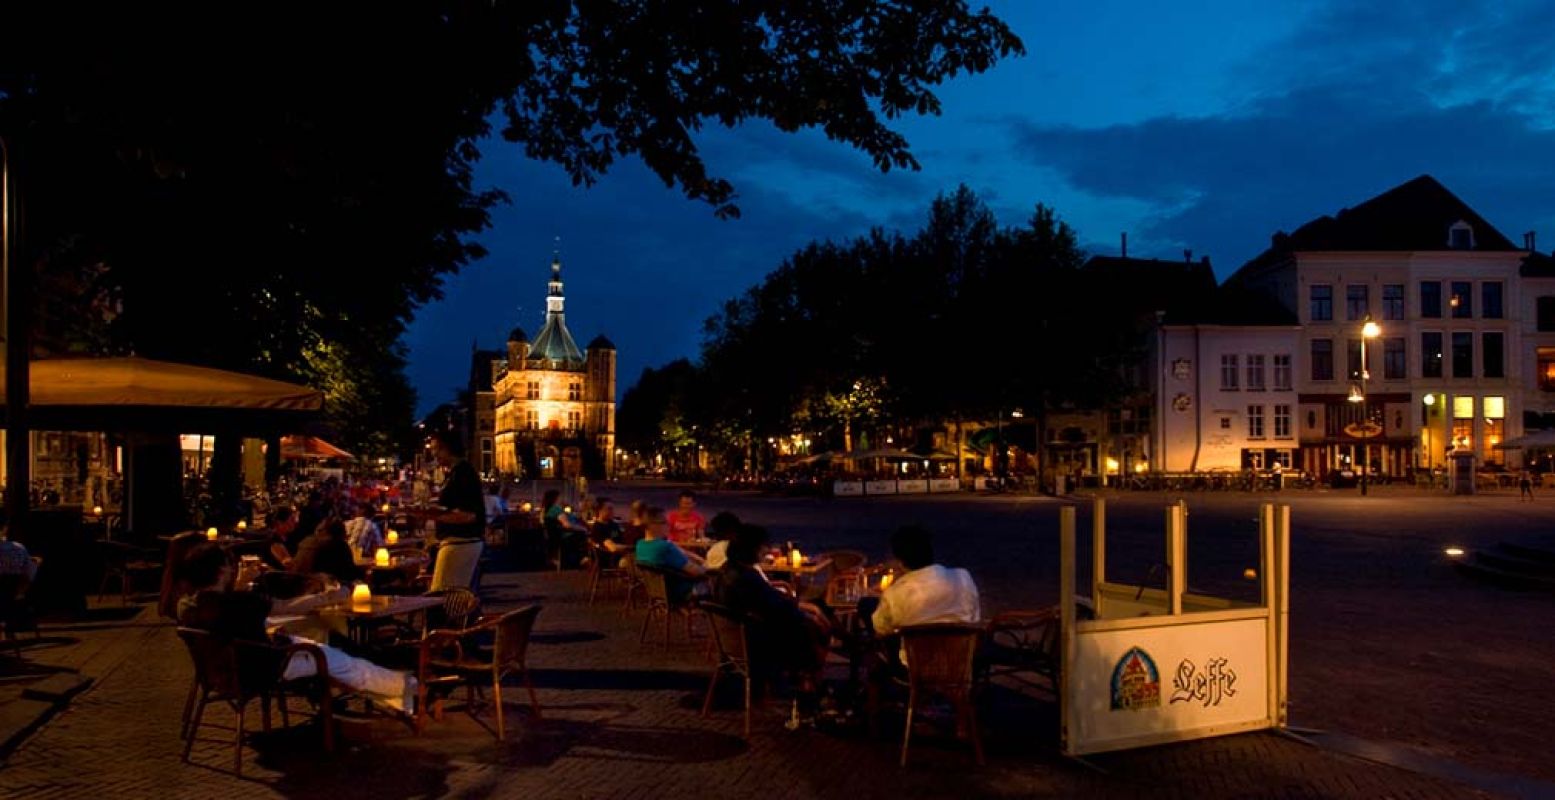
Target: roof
point(601, 343)
point(517, 335)
point(554, 342)
point(1538, 265)
point(1144, 286)
point(1411, 216)
point(1234, 304)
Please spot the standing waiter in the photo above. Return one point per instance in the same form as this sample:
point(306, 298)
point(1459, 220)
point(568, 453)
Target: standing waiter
point(462, 503)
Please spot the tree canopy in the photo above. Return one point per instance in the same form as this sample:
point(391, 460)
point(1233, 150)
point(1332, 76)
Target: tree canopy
point(277, 187)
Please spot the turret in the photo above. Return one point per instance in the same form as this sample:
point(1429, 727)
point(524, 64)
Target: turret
point(518, 349)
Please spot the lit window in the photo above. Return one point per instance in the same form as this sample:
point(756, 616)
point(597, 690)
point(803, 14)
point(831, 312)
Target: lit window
point(574, 391)
point(1463, 407)
point(1495, 407)
point(1547, 368)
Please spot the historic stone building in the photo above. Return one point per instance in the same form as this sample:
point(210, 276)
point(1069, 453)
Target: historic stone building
point(555, 410)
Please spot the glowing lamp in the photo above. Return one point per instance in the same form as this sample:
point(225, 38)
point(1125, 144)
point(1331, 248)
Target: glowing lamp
point(795, 558)
point(1371, 330)
point(97, 510)
point(385, 508)
point(527, 507)
point(242, 524)
point(1454, 552)
point(393, 537)
point(567, 509)
point(885, 581)
point(211, 534)
point(361, 595)
point(381, 557)
point(1250, 574)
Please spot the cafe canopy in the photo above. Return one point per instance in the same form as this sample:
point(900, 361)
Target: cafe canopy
point(311, 448)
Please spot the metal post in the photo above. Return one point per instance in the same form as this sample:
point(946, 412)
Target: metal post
point(1098, 549)
point(1066, 621)
point(1365, 427)
point(18, 377)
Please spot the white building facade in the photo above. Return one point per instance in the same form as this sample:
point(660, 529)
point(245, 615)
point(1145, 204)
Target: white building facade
point(1226, 397)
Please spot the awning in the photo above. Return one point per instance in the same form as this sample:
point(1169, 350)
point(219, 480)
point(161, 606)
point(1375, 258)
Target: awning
point(1530, 440)
point(310, 447)
point(889, 455)
point(142, 394)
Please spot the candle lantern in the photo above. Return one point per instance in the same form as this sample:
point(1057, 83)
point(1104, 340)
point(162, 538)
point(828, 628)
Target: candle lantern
point(97, 510)
point(795, 558)
point(361, 595)
point(393, 537)
point(385, 508)
point(211, 533)
point(242, 524)
point(527, 507)
point(885, 581)
point(381, 557)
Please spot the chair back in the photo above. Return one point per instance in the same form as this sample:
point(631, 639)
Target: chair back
point(1035, 632)
point(458, 606)
point(728, 633)
point(172, 587)
point(846, 560)
point(939, 655)
point(456, 563)
point(512, 645)
point(215, 662)
point(655, 585)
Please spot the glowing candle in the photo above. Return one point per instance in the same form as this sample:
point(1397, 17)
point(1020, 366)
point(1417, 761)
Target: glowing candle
point(212, 533)
point(361, 595)
point(527, 507)
point(393, 537)
point(385, 508)
point(567, 509)
point(795, 558)
point(242, 524)
point(885, 580)
point(97, 510)
point(381, 557)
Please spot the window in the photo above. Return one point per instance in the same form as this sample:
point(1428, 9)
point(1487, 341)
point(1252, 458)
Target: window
point(1225, 423)
point(1228, 372)
point(1255, 373)
point(1356, 301)
point(1394, 365)
point(532, 392)
point(531, 419)
point(1492, 348)
point(1546, 313)
point(1546, 357)
point(574, 420)
point(1431, 299)
point(1322, 308)
point(1462, 300)
point(575, 391)
point(1431, 355)
point(1460, 236)
point(1352, 359)
point(1462, 354)
point(1282, 421)
point(1490, 300)
point(1255, 422)
point(1393, 301)
point(1495, 429)
point(1322, 359)
point(1282, 372)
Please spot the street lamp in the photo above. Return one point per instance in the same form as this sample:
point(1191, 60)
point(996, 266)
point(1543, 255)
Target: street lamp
point(1429, 400)
point(1369, 330)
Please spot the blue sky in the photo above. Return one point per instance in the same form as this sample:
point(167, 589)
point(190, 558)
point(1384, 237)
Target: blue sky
point(1192, 125)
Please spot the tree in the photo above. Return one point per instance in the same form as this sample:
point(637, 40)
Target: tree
point(250, 181)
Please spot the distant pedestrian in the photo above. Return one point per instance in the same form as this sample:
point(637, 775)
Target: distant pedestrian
point(1525, 487)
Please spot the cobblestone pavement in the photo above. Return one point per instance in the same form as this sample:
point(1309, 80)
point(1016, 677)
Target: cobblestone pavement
point(621, 720)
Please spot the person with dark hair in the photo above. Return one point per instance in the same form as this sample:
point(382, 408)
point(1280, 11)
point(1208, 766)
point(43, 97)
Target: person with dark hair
point(461, 500)
point(282, 522)
point(723, 528)
point(211, 606)
point(564, 533)
point(928, 592)
point(313, 512)
point(684, 569)
point(328, 552)
point(685, 523)
point(786, 633)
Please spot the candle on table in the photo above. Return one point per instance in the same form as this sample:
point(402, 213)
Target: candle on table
point(381, 557)
point(242, 524)
point(361, 595)
point(97, 510)
point(885, 580)
point(385, 508)
point(211, 533)
point(795, 558)
point(393, 537)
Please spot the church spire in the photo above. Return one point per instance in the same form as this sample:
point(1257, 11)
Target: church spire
point(554, 301)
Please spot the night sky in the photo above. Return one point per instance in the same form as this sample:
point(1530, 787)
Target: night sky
point(1192, 125)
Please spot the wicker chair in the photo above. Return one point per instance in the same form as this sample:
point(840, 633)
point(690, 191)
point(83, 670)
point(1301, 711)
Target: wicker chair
point(656, 589)
point(939, 661)
point(732, 653)
point(599, 573)
point(450, 657)
point(237, 673)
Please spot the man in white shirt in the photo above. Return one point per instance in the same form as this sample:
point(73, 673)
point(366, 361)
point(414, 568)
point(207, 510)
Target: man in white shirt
point(928, 592)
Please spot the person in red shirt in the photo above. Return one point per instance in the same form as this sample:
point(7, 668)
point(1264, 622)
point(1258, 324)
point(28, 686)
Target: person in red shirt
point(685, 523)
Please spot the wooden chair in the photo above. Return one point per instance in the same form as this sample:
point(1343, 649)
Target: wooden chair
point(172, 588)
point(732, 653)
point(450, 656)
point(600, 573)
point(656, 589)
point(1022, 642)
point(632, 583)
point(237, 673)
point(939, 661)
point(123, 562)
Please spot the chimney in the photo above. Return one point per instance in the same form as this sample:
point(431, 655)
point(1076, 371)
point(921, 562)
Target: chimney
point(1187, 255)
point(1125, 244)
point(1529, 241)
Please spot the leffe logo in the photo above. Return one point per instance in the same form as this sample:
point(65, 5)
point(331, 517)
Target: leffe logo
point(1215, 682)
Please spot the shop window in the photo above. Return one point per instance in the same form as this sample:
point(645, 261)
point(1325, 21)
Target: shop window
point(1546, 357)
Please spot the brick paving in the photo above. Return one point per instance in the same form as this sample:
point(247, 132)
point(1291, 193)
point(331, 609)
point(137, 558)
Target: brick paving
point(621, 720)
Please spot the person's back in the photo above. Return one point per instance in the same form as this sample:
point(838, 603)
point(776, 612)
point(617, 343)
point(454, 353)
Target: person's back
point(362, 535)
point(326, 553)
point(929, 592)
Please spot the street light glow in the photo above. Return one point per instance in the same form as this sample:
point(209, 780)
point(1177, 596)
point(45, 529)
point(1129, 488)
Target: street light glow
point(1430, 400)
point(1453, 552)
point(1371, 330)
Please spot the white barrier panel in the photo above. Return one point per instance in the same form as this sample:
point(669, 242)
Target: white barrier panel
point(880, 487)
point(945, 485)
point(980, 484)
point(847, 488)
point(912, 487)
point(1160, 684)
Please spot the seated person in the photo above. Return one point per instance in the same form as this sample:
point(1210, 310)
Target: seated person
point(213, 607)
point(326, 551)
point(563, 532)
point(928, 592)
point(15, 560)
point(605, 531)
point(362, 532)
point(785, 633)
point(635, 527)
point(282, 522)
point(685, 523)
point(723, 527)
point(686, 570)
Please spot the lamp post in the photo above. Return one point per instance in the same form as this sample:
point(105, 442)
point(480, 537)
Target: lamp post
point(1429, 400)
point(1369, 330)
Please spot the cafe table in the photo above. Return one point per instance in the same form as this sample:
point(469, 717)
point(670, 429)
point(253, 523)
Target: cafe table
point(361, 616)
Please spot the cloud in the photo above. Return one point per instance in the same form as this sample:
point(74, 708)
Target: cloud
point(1350, 105)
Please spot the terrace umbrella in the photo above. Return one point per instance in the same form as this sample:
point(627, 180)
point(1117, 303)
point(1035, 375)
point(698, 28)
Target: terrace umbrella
point(1529, 441)
point(311, 447)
